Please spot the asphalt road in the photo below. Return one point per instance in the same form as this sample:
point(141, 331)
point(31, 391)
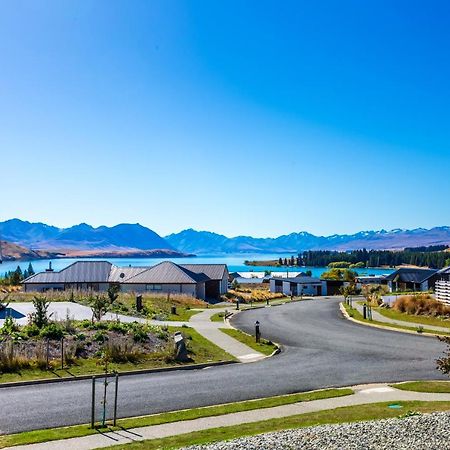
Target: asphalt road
point(321, 349)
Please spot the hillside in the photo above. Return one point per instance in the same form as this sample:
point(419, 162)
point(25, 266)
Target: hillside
point(11, 252)
point(203, 242)
point(121, 237)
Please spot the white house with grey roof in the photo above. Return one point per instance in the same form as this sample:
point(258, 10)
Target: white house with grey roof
point(300, 285)
point(204, 281)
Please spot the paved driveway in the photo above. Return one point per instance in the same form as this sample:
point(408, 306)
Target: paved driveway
point(322, 349)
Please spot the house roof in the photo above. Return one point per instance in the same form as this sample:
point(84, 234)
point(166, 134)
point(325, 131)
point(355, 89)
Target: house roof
point(411, 275)
point(167, 273)
point(104, 272)
point(78, 272)
point(212, 271)
point(122, 274)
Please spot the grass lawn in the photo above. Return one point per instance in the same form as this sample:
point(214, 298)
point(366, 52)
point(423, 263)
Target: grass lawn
point(442, 387)
point(218, 317)
point(30, 437)
point(265, 347)
point(424, 320)
point(183, 315)
point(201, 349)
point(355, 314)
point(338, 415)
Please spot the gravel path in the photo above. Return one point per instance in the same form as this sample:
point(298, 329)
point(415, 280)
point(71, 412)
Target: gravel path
point(420, 432)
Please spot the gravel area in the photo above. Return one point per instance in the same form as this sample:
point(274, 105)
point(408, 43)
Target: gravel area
point(419, 432)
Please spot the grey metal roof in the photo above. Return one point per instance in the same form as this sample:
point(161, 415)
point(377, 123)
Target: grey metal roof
point(213, 271)
point(411, 275)
point(78, 272)
point(121, 274)
point(167, 273)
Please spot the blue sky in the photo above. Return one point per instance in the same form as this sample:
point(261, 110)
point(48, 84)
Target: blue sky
point(257, 117)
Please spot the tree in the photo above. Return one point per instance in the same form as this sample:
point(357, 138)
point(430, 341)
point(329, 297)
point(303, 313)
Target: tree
point(447, 262)
point(40, 316)
point(113, 293)
point(30, 270)
point(16, 277)
point(99, 307)
point(374, 292)
point(348, 291)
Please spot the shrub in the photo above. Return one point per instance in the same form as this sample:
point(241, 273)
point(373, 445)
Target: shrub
point(31, 330)
point(52, 331)
point(120, 351)
point(40, 316)
point(100, 336)
point(9, 326)
point(118, 327)
point(139, 333)
point(421, 304)
point(10, 360)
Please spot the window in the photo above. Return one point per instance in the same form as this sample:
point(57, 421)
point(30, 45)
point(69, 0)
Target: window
point(153, 287)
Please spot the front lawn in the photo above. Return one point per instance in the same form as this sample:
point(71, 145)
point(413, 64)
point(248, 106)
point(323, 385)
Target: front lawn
point(264, 346)
point(441, 387)
point(346, 414)
point(31, 437)
point(420, 319)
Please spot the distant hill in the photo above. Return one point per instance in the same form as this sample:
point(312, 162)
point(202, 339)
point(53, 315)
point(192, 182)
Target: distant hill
point(135, 239)
point(204, 242)
point(123, 237)
point(11, 252)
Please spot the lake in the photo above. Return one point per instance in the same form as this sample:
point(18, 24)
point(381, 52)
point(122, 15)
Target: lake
point(235, 263)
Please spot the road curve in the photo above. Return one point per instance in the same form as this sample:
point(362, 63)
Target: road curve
point(320, 349)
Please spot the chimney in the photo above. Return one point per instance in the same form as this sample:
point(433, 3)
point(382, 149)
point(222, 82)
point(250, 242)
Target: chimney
point(49, 267)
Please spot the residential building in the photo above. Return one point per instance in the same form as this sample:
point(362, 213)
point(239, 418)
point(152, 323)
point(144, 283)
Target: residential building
point(442, 285)
point(412, 279)
point(299, 285)
point(204, 281)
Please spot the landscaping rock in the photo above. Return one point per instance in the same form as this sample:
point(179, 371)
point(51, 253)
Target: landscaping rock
point(417, 432)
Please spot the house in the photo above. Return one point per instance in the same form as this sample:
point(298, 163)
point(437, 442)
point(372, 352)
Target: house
point(299, 285)
point(204, 281)
point(361, 281)
point(412, 279)
point(442, 285)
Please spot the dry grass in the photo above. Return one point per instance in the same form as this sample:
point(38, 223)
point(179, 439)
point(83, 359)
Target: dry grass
point(255, 294)
point(421, 304)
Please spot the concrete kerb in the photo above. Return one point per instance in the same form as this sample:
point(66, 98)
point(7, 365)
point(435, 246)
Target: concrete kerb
point(227, 322)
point(385, 327)
point(113, 374)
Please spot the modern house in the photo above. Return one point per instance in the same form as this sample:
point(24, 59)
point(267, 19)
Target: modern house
point(204, 281)
point(442, 285)
point(412, 279)
point(299, 285)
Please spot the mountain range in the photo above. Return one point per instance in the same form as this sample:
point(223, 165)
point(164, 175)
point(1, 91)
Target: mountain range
point(138, 240)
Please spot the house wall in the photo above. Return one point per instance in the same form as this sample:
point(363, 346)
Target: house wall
point(188, 289)
point(224, 283)
point(443, 291)
point(42, 287)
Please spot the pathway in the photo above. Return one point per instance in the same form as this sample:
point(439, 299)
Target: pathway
point(364, 394)
point(381, 318)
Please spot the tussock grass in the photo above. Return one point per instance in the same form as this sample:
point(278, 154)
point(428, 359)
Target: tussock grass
point(422, 305)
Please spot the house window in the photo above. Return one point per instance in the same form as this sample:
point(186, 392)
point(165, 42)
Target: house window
point(154, 287)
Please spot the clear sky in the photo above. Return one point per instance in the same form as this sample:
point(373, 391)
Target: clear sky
point(239, 117)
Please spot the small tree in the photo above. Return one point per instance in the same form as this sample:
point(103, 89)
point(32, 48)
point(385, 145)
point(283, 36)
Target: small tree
point(99, 307)
point(40, 316)
point(113, 293)
point(348, 291)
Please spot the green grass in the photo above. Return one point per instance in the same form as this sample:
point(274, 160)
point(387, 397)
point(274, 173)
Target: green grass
point(424, 320)
point(441, 387)
point(30, 437)
point(183, 315)
point(355, 314)
point(339, 415)
point(202, 351)
point(218, 317)
point(265, 347)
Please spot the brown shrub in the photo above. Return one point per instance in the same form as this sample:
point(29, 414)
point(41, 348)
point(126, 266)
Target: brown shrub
point(421, 305)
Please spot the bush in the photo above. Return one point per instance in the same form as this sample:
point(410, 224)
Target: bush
point(100, 336)
point(31, 330)
point(421, 304)
point(118, 327)
point(52, 331)
point(139, 333)
point(9, 326)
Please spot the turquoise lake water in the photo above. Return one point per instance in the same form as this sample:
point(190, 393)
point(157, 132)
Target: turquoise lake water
point(235, 263)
